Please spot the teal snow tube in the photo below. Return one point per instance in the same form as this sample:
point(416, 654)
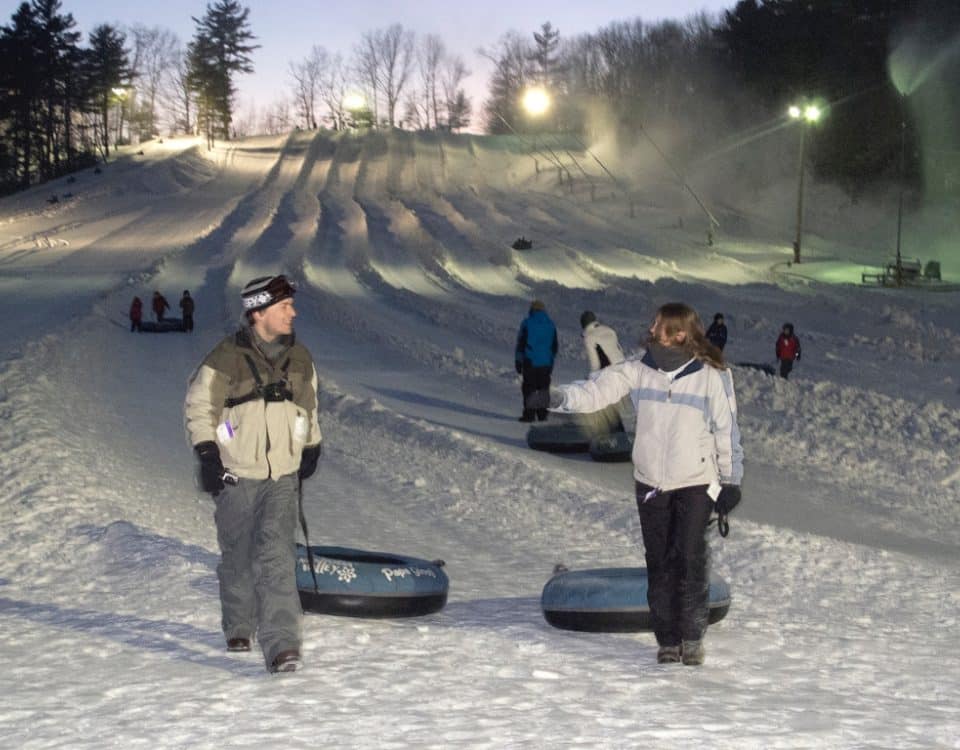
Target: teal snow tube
point(360, 583)
point(617, 447)
point(611, 600)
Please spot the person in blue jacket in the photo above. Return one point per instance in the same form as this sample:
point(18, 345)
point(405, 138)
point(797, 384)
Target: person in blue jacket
point(535, 353)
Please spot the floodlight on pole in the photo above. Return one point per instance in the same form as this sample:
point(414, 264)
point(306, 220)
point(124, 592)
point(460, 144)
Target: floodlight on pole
point(536, 101)
point(807, 115)
point(353, 102)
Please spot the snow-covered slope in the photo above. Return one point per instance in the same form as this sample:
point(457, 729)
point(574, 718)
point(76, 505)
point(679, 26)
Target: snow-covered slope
point(842, 559)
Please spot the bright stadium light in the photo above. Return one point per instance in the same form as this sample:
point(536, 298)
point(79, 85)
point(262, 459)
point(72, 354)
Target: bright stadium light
point(353, 102)
point(807, 115)
point(536, 101)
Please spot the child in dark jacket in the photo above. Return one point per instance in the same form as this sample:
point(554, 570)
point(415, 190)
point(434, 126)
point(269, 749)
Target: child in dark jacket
point(788, 349)
point(717, 332)
point(136, 314)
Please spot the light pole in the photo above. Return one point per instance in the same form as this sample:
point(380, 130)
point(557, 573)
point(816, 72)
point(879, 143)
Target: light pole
point(120, 95)
point(535, 102)
point(808, 115)
point(903, 158)
point(355, 105)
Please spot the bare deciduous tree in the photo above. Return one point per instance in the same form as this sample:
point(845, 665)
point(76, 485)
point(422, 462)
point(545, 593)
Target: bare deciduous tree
point(455, 99)
point(155, 56)
point(430, 55)
point(277, 118)
point(367, 65)
point(333, 90)
point(511, 73)
point(395, 46)
point(307, 81)
point(177, 98)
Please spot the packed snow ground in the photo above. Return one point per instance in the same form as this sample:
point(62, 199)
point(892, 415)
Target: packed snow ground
point(842, 559)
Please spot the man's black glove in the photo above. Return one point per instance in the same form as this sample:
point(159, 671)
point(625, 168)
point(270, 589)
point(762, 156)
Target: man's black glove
point(727, 500)
point(519, 367)
point(211, 467)
point(308, 460)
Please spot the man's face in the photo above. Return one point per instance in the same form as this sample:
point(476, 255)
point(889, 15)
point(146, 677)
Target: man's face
point(276, 320)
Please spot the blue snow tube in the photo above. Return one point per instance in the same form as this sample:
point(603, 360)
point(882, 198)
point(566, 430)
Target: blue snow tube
point(611, 600)
point(617, 447)
point(162, 326)
point(564, 437)
point(359, 583)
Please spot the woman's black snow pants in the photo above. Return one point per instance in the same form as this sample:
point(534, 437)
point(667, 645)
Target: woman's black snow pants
point(674, 526)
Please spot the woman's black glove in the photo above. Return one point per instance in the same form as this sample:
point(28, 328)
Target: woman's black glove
point(211, 467)
point(308, 460)
point(728, 499)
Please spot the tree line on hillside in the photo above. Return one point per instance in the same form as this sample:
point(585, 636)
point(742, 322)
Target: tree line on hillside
point(700, 78)
point(395, 78)
point(63, 104)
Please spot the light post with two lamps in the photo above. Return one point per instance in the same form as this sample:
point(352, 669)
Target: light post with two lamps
point(120, 95)
point(808, 115)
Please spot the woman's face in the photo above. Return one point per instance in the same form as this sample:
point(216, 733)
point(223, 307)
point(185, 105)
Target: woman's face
point(658, 332)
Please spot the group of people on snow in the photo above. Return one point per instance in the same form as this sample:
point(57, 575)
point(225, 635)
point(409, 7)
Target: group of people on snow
point(251, 415)
point(687, 455)
point(160, 306)
point(537, 346)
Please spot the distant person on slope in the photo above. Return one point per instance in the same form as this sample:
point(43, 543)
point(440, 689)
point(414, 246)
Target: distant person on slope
point(788, 350)
point(600, 342)
point(687, 462)
point(251, 416)
point(717, 332)
point(603, 349)
point(186, 307)
point(136, 314)
point(160, 305)
point(535, 353)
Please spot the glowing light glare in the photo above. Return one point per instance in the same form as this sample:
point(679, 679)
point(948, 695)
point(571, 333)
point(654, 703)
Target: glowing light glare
point(536, 101)
point(810, 112)
point(353, 102)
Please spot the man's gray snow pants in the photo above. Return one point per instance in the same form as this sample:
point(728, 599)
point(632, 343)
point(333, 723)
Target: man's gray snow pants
point(256, 527)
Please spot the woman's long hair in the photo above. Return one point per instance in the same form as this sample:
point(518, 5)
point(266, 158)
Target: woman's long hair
point(676, 317)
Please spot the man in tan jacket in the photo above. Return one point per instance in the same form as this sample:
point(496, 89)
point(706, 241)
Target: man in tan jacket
point(251, 417)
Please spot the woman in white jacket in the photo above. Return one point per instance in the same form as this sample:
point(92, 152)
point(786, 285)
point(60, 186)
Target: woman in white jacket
point(687, 463)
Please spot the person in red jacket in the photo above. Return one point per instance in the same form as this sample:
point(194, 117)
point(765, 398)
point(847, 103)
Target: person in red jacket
point(136, 314)
point(160, 304)
point(788, 349)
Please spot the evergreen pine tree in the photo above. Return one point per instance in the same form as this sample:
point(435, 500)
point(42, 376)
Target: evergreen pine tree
point(220, 48)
